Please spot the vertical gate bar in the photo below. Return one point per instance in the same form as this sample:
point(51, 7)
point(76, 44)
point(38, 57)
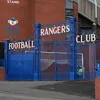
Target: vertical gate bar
point(73, 30)
point(37, 51)
point(94, 59)
point(39, 59)
point(6, 57)
point(55, 54)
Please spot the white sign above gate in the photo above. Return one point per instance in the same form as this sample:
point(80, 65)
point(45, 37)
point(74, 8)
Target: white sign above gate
point(21, 45)
point(87, 38)
point(55, 30)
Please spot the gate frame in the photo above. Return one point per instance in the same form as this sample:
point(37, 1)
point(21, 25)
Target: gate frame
point(37, 37)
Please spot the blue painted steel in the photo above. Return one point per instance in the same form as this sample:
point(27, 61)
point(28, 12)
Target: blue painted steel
point(65, 44)
point(98, 71)
point(93, 60)
point(37, 51)
point(58, 54)
point(6, 56)
point(55, 66)
point(19, 65)
point(73, 31)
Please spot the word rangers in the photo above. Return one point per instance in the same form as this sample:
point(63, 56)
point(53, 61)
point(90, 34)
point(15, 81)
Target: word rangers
point(55, 30)
point(13, 1)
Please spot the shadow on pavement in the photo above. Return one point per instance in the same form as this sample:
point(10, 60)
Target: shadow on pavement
point(79, 88)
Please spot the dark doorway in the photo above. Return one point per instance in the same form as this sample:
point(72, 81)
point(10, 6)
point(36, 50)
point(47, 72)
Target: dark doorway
point(1, 54)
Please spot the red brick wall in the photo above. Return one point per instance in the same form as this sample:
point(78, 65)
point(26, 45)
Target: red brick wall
point(22, 12)
point(30, 11)
point(27, 13)
point(50, 12)
point(97, 89)
point(2, 74)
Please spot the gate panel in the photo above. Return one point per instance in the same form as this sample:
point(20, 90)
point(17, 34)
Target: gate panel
point(88, 49)
point(47, 68)
point(59, 58)
point(20, 64)
point(56, 60)
point(62, 61)
point(88, 61)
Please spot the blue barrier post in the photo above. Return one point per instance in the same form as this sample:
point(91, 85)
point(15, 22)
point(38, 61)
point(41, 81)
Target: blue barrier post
point(73, 32)
point(37, 36)
point(98, 71)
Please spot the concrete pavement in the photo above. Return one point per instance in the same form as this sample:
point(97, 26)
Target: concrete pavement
point(10, 90)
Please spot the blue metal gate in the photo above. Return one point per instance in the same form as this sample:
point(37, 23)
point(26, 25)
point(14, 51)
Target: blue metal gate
point(90, 54)
point(19, 63)
point(59, 58)
point(56, 61)
point(41, 63)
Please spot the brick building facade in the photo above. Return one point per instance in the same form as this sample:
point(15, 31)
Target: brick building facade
point(27, 13)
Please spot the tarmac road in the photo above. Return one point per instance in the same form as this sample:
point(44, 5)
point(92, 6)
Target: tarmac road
point(46, 90)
